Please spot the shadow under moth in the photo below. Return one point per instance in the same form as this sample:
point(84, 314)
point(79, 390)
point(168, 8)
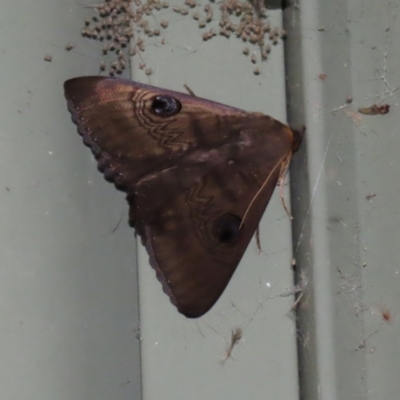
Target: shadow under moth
point(198, 176)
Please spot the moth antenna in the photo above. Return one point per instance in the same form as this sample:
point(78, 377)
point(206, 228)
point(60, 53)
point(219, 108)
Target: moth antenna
point(263, 185)
point(282, 175)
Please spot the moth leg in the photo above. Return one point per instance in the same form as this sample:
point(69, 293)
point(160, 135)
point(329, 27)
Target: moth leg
point(258, 241)
point(190, 91)
point(281, 182)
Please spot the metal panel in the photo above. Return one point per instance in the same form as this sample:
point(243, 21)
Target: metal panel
point(345, 187)
point(182, 358)
point(67, 280)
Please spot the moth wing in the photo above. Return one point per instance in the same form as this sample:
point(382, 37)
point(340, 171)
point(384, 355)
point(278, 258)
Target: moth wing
point(198, 182)
point(115, 118)
point(198, 232)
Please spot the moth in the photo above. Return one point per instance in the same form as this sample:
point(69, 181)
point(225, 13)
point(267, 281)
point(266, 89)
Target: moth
point(198, 176)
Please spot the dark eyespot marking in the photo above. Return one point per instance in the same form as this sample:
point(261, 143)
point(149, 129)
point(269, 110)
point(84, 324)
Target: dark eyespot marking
point(227, 228)
point(165, 106)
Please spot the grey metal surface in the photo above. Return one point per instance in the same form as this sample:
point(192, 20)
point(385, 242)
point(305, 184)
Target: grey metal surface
point(345, 186)
point(67, 280)
point(182, 358)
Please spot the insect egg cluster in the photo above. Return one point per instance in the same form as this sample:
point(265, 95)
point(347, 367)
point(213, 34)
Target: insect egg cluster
point(124, 27)
point(121, 26)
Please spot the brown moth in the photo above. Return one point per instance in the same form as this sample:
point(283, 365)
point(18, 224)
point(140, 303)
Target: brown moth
point(198, 176)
